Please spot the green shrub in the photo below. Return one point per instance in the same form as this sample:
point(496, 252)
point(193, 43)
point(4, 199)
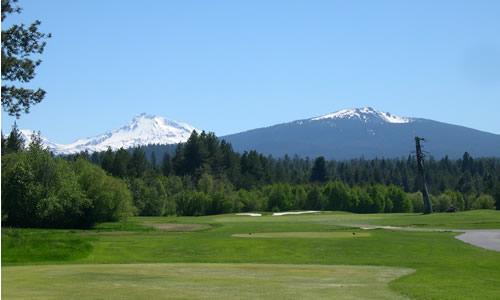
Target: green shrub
point(456, 198)
point(401, 201)
point(483, 201)
point(417, 201)
point(111, 200)
point(39, 190)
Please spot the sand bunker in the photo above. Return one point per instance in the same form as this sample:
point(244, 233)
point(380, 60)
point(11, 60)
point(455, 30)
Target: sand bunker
point(295, 213)
point(309, 235)
point(179, 226)
point(487, 239)
point(249, 214)
point(484, 238)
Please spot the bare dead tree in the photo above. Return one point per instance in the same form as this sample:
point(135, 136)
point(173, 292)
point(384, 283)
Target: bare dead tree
point(420, 164)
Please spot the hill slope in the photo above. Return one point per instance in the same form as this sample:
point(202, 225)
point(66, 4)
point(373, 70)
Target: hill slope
point(353, 133)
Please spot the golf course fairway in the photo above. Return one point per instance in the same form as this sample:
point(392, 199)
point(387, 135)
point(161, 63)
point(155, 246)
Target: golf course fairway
point(195, 281)
point(309, 256)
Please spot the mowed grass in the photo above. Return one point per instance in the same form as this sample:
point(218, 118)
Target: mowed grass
point(303, 235)
point(446, 268)
point(476, 219)
point(195, 281)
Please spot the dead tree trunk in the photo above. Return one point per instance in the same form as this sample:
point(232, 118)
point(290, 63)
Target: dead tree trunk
point(420, 164)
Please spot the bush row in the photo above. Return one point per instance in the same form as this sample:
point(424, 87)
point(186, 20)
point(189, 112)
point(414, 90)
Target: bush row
point(39, 190)
point(160, 195)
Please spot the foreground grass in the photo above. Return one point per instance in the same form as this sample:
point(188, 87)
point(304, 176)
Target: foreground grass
point(445, 267)
point(194, 281)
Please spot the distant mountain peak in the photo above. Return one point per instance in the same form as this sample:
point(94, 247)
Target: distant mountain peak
point(365, 114)
point(364, 132)
point(144, 129)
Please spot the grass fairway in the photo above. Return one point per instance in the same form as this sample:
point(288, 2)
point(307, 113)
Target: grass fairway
point(304, 235)
point(199, 281)
point(445, 268)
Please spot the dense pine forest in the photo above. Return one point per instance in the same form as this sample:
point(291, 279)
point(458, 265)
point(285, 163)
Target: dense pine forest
point(205, 176)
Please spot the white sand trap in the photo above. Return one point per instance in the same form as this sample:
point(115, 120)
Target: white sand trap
point(295, 213)
point(249, 214)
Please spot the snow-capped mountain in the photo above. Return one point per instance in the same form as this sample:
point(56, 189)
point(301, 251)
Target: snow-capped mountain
point(365, 132)
point(345, 134)
point(142, 130)
point(365, 114)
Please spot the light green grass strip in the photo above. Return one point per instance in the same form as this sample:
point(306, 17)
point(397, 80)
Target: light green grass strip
point(310, 235)
point(199, 281)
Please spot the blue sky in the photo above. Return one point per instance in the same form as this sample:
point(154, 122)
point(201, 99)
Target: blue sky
point(228, 66)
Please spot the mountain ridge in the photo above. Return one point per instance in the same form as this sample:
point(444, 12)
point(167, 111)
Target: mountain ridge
point(144, 129)
point(344, 134)
point(364, 132)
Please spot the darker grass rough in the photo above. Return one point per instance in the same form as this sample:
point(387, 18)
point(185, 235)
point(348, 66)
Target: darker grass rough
point(26, 246)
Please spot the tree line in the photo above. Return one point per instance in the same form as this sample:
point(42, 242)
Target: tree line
point(205, 176)
point(204, 153)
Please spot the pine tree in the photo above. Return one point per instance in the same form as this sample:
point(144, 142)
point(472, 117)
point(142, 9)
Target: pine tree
point(36, 142)
point(138, 163)
point(4, 144)
point(153, 160)
point(15, 140)
point(193, 155)
point(166, 166)
point(19, 44)
point(120, 163)
point(467, 162)
point(318, 173)
point(107, 160)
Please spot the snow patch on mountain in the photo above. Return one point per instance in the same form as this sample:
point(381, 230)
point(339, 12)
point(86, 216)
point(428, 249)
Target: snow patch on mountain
point(365, 114)
point(28, 136)
point(142, 130)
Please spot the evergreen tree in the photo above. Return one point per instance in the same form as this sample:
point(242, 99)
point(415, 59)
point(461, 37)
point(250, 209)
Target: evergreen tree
point(120, 163)
point(191, 157)
point(166, 166)
point(138, 163)
point(15, 140)
point(36, 142)
point(19, 44)
point(467, 162)
point(108, 160)
point(4, 144)
point(318, 173)
point(153, 160)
